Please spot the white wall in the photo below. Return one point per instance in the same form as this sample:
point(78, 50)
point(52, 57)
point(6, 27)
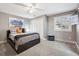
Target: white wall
point(4, 24)
point(77, 31)
point(27, 25)
point(45, 25)
point(61, 35)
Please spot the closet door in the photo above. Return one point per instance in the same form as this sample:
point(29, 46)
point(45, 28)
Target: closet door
point(37, 26)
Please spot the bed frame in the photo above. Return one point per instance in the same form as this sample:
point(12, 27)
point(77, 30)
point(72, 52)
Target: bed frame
point(23, 47)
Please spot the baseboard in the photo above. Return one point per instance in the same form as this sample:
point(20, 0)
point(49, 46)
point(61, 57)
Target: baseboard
point(73, 42)
point(77, 45)
point(2, 42)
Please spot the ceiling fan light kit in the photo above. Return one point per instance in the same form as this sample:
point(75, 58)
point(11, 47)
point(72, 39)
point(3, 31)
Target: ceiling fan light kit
point(30, 7)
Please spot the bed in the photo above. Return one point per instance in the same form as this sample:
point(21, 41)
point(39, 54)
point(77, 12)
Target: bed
point(22, 41)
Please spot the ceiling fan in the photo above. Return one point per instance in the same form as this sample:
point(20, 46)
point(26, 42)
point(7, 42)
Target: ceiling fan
point(30, 7)
point(76, 10)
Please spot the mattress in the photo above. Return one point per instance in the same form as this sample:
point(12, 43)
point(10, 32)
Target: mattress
point(12, 35)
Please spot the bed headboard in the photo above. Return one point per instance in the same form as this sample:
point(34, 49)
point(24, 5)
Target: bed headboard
point(8, 32)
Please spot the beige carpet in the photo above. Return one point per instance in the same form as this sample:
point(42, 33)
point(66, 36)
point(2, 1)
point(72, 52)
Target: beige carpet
point(51, 48)
point(44, 48)
point(6, 50)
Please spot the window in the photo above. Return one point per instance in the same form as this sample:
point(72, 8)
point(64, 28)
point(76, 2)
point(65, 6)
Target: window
point(64, 23)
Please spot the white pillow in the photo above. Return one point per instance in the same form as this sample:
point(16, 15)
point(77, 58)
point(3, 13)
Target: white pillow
point(13, 31)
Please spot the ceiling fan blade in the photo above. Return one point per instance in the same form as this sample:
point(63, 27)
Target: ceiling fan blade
point(28, 6)
point(39, 9)
point(20, 4)
point(76, 10)
point(34, 4)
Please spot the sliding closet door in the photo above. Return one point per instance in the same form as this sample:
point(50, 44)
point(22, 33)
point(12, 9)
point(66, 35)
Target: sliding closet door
point(36, 25)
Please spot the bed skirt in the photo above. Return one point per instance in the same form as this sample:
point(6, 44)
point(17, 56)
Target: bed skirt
point(25, 46)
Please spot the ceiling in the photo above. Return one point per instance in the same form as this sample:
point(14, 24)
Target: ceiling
point(45, 9)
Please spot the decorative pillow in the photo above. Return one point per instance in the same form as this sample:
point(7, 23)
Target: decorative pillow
point(18, 30)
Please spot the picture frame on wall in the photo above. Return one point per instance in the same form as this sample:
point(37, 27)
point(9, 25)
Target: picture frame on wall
point(14, 22)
